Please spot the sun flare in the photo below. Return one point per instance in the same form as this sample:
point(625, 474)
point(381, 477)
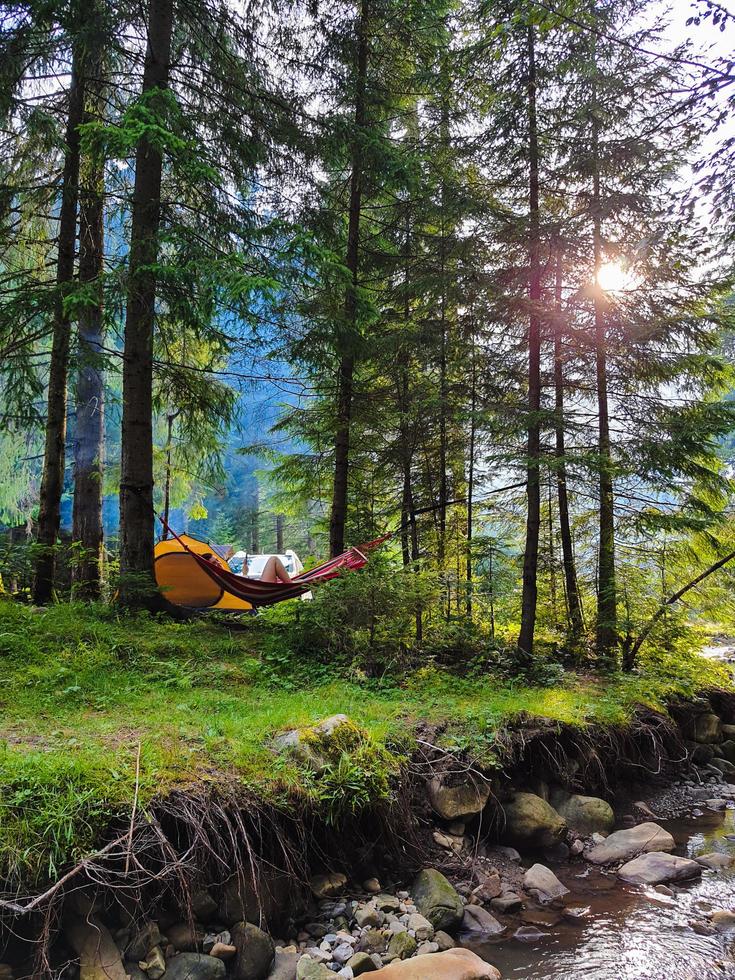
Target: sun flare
point(614, 277)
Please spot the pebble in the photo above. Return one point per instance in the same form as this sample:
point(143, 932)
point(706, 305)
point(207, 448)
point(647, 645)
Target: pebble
point(371, 885)
point(342, 953)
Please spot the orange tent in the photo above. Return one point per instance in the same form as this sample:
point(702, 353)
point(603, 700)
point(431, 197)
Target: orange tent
point(184, 582)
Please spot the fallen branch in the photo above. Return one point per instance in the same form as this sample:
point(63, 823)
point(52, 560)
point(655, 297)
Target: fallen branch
point(630, 653)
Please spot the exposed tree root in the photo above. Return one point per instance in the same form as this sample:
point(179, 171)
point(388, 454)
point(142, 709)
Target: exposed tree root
point(256, 857)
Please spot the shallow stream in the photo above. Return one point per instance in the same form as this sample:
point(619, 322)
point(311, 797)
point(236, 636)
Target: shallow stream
point(632, 933)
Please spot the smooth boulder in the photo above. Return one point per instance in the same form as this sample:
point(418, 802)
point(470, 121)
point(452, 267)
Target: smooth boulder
point(658, 867)
point(543, 884)
point(460, 801)
point(585, 814)
point(284, 966)
point(477, 922)
point(437, 900)
point(255, 952)
point(531, 822)
point(624, 845)
point(309, 969)
point(194, 966)
point(453, 964)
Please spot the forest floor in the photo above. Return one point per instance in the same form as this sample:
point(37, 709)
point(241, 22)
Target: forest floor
point(89, 696)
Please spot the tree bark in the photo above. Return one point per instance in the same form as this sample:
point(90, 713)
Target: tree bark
point(574, 603)
point(607, 630)
point(87, 528)
point(279, 533)
point(533, 489)
point(52, 480)
point(137, 580)
point(347, 338)
point(471, 465)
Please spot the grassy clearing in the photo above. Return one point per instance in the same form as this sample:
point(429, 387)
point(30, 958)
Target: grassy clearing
point(81, 687)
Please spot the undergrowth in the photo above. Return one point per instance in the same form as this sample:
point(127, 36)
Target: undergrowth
point(83, 689)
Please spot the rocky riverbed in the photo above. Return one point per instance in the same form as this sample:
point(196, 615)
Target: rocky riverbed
point(525, 872)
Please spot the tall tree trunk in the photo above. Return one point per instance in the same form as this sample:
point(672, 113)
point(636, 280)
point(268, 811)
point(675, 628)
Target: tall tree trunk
point(90, 390)
point(533, 490)
point(471, 464)
point(347, 338)
point(170, 419)
point(574, 603)
point(443, 381)
point(279, 533)
point(137, 580)
point(607, 630)
point(52, 480)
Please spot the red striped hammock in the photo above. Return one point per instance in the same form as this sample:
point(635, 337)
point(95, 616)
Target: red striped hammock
point(259, 593)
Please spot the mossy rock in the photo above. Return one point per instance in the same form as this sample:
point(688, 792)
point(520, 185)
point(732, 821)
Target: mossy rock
point(532, 822)
point(437, 900)
point(585, 814)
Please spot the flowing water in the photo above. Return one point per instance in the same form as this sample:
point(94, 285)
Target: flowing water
point(633, 933)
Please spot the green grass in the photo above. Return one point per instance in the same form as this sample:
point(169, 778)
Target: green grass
point(81, 687)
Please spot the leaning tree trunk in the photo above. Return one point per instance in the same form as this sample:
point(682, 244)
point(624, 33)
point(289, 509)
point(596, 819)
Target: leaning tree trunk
point(52, 480)
point(137, 580)
point(533, 489)
point(345, 378)
point(574, 603)
point(87, 528)
point(607, 630)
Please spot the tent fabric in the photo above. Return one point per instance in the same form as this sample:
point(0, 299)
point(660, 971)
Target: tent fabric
point(185, 583)
point(185, 586)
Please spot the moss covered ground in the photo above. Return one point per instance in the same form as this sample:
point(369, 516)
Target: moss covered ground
point(84, 690)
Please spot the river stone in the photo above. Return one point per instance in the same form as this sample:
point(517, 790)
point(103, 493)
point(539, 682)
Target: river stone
point(284, 966)
point(184, 938)
point(148, 936)
point(507, 902)
point(529, 934)
point(436, 899)
point(723, 920)
point(543, 883)
point(327, 885)
point(700, 754)
point(626, 844)
point(420, 926)
point(361, 963)
point(402, 946)
point(490, 887)
point(255, 951)
point(531, 822)
point(715, 861)
point(458, 802)
point(477, 921)
point(203, 905)
point(443, 940)
point(585, 814)
point(195, 966)
point(154, 965)
point(707, 728)
point(309, 969)
point(725, 767)
point(369, 916)
point(728, 749)
point(728, 731)
point(373, 941)
point(657, 867)
point(453, 964)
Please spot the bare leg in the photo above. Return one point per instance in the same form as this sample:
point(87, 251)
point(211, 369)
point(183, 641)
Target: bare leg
point(274, 571)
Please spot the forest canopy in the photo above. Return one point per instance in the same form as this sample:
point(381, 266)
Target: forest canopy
point(296, 276)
